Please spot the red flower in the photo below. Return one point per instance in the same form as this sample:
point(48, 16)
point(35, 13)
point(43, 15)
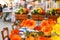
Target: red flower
point(38, 28)
point(43, 12)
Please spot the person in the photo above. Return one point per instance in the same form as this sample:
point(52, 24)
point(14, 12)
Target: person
point(4, 6)
point(58, 4)
point(30, 10)
point(52, 4)
point(22, 3)
point(1, 11)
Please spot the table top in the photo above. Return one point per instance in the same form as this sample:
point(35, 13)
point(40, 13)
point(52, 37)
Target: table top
point(8, 10)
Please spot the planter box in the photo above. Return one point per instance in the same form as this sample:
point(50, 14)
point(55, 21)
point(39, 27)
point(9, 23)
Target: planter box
point(54, 17)
point(41, 17)
point(21, 17)
point(37, 17)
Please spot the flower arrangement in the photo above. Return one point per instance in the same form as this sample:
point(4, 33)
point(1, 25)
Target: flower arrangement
point(55, 30)
point(38, 11)
point(58, 10)
point(28, 23)
point(16, 37)
point(21, 11)
point(47, 30)
point(52, 11)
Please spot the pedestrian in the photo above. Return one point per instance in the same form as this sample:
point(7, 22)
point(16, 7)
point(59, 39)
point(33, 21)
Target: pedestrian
point(1, 11)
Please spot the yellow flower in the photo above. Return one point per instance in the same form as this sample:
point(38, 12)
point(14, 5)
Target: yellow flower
point(55, 38)
point(39, 10)
point(52, 9)
point(56, 29)
point(21, 12)
point(58, 38)
point(58, 20)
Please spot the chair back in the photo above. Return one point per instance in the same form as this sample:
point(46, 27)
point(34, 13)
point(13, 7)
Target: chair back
point(2, 32)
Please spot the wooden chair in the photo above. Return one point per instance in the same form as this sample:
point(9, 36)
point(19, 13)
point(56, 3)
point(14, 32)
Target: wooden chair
point(7, 35)
point(15, 26)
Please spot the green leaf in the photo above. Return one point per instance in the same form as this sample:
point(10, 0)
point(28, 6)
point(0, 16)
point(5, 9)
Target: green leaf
point(41, 33)
point(27, 33)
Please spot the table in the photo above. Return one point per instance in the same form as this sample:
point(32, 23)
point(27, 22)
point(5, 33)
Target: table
point(6, 14)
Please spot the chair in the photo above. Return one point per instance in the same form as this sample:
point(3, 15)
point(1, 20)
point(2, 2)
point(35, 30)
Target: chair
point(2, 32)
point(15, 26)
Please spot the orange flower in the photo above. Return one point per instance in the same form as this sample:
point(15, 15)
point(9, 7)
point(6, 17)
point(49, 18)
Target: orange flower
point(30, 38)
point(31, 24)
point(47, 29)
point(14, 32)
point(44, 23)
point(58, 10)
point(48, 39)
point(43, 12)
point(23, 23)
point(41, 38)
point(51, 22)
point(28, 23)
point(16, 37)
point(25, 10)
